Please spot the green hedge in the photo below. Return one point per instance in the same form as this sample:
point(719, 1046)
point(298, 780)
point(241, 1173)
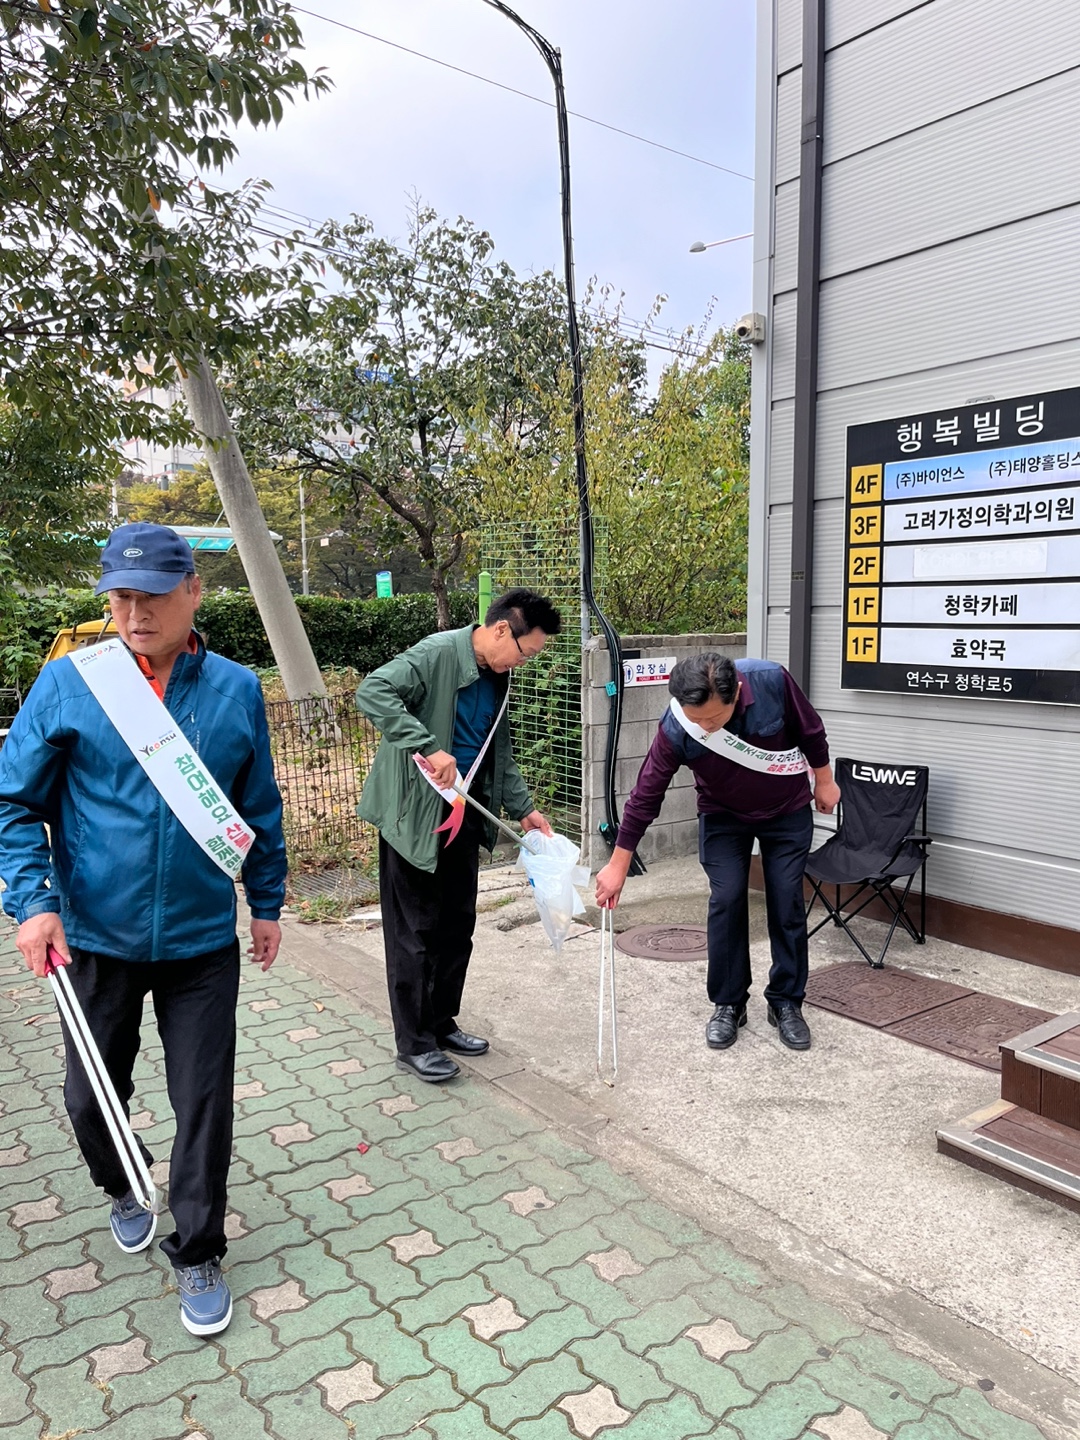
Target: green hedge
point(357, 633)
point(39, 617)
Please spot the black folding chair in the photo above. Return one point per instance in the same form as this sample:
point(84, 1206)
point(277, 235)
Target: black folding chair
point(880, 842)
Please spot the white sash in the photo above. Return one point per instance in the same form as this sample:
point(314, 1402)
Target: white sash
point(453, 797)
point(165, 754)
point(723, 742)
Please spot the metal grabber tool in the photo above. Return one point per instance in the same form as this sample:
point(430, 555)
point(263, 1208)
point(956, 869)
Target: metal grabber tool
point(518, 837)
point(123, 1138)
point(607, 982)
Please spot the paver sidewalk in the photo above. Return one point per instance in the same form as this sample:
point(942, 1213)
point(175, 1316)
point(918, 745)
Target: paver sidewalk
point(406, 1260)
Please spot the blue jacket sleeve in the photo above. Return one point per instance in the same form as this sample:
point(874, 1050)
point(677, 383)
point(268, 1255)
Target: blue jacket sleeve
point(259, 801)
point(32, 762)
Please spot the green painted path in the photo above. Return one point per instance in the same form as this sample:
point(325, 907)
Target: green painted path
point(470, 1274)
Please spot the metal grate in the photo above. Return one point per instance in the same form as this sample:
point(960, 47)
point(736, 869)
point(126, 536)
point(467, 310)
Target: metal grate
point(878, 997)
point(933, 1013)
point(545, 704)
point(346, 885)
point(973, 1028)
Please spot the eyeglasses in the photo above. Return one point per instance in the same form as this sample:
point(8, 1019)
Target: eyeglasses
point(525, 655)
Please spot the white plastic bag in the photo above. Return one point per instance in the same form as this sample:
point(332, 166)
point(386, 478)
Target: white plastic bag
point(551, 863)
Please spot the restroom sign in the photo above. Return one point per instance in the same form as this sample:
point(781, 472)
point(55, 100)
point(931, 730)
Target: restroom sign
point(647, 672)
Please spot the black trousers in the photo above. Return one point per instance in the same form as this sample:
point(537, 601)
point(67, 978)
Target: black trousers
point(428, 922)
point(195, 1006)
point(726, 844)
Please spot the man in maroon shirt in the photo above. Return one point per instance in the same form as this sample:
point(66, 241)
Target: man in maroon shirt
point(750, 736)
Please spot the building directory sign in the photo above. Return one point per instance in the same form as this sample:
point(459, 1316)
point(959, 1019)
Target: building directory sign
point(962, 555)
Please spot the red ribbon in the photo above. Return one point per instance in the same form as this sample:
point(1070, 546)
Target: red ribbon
point(452, 823)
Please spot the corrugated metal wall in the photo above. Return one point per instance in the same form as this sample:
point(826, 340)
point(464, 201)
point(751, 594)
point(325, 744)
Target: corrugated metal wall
point(950, 272)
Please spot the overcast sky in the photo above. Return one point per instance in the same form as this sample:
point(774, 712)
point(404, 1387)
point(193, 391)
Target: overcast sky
point(679, 72)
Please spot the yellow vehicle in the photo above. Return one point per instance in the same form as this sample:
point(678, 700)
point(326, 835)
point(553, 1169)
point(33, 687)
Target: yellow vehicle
point(78, 637)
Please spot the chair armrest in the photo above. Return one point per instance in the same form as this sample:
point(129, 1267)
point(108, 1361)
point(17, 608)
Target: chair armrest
point(919, 839)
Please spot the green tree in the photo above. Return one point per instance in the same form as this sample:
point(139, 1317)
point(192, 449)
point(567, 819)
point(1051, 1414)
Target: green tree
point(107, 110)
point(53, 502)
point(668, 475)
point(52, 505)
point(192, 499)
point(425, 346)
point(342, 560)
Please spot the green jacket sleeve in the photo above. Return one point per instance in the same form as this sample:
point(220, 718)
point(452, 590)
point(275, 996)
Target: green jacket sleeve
point(388, 697)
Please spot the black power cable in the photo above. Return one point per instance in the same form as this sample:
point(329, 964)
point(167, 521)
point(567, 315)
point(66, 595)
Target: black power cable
point(553, 60)
point(589, 119)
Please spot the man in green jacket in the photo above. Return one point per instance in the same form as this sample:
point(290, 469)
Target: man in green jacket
point(444, 700)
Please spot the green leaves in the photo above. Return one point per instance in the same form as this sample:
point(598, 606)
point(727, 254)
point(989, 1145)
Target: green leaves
point(422, 348)
point(102, 106)
point(668, 476)
point(52, 503)
point(361, 634)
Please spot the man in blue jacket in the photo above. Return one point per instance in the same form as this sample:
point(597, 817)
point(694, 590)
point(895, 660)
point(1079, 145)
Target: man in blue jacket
point(133, 882)
point(751, 739)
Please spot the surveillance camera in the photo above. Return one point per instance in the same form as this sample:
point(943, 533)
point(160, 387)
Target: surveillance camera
point(752, 328)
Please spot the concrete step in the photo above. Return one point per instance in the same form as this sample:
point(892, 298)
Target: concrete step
point(1019, 1147)
point(1040, 1070)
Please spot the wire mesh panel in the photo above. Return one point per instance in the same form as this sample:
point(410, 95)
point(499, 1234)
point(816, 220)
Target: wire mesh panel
point(323, 750)
point(545, 698)
point(10, 700)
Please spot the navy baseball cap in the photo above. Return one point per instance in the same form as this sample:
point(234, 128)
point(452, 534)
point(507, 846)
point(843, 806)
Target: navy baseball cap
point(150, 558)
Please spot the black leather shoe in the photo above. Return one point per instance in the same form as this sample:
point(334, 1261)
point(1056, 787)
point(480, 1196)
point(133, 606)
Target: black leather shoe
point(433, 1066)
point(790, 1025)
point(462, 1044)
point(723, 1029)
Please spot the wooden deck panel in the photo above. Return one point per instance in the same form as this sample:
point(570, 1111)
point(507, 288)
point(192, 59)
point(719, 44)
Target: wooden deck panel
point(1021, 1084)
point(1041, 1138)
point(1021, 1182)
point(1060, 1099)
point(1066, 1044)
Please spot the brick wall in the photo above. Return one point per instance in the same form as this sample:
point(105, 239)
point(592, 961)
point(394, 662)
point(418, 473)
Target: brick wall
point(674, 832)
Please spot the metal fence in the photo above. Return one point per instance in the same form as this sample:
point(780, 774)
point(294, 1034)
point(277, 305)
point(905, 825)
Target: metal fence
point(545, 703)
point(10, 700)
point(323, 750)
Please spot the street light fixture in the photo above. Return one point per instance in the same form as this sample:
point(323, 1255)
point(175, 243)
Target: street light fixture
point(552, 58)
point(699, 245)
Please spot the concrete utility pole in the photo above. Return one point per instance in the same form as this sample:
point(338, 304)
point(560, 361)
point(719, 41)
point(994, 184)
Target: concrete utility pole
point(273, 598)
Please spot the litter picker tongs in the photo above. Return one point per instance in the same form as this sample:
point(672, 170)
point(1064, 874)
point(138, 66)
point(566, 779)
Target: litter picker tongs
point(518, 837)
point(123, 1138)
point(607, 984)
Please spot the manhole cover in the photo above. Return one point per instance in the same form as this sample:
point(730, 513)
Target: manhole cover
point(665, 942)
point(877, 997)
point(970, 1028)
